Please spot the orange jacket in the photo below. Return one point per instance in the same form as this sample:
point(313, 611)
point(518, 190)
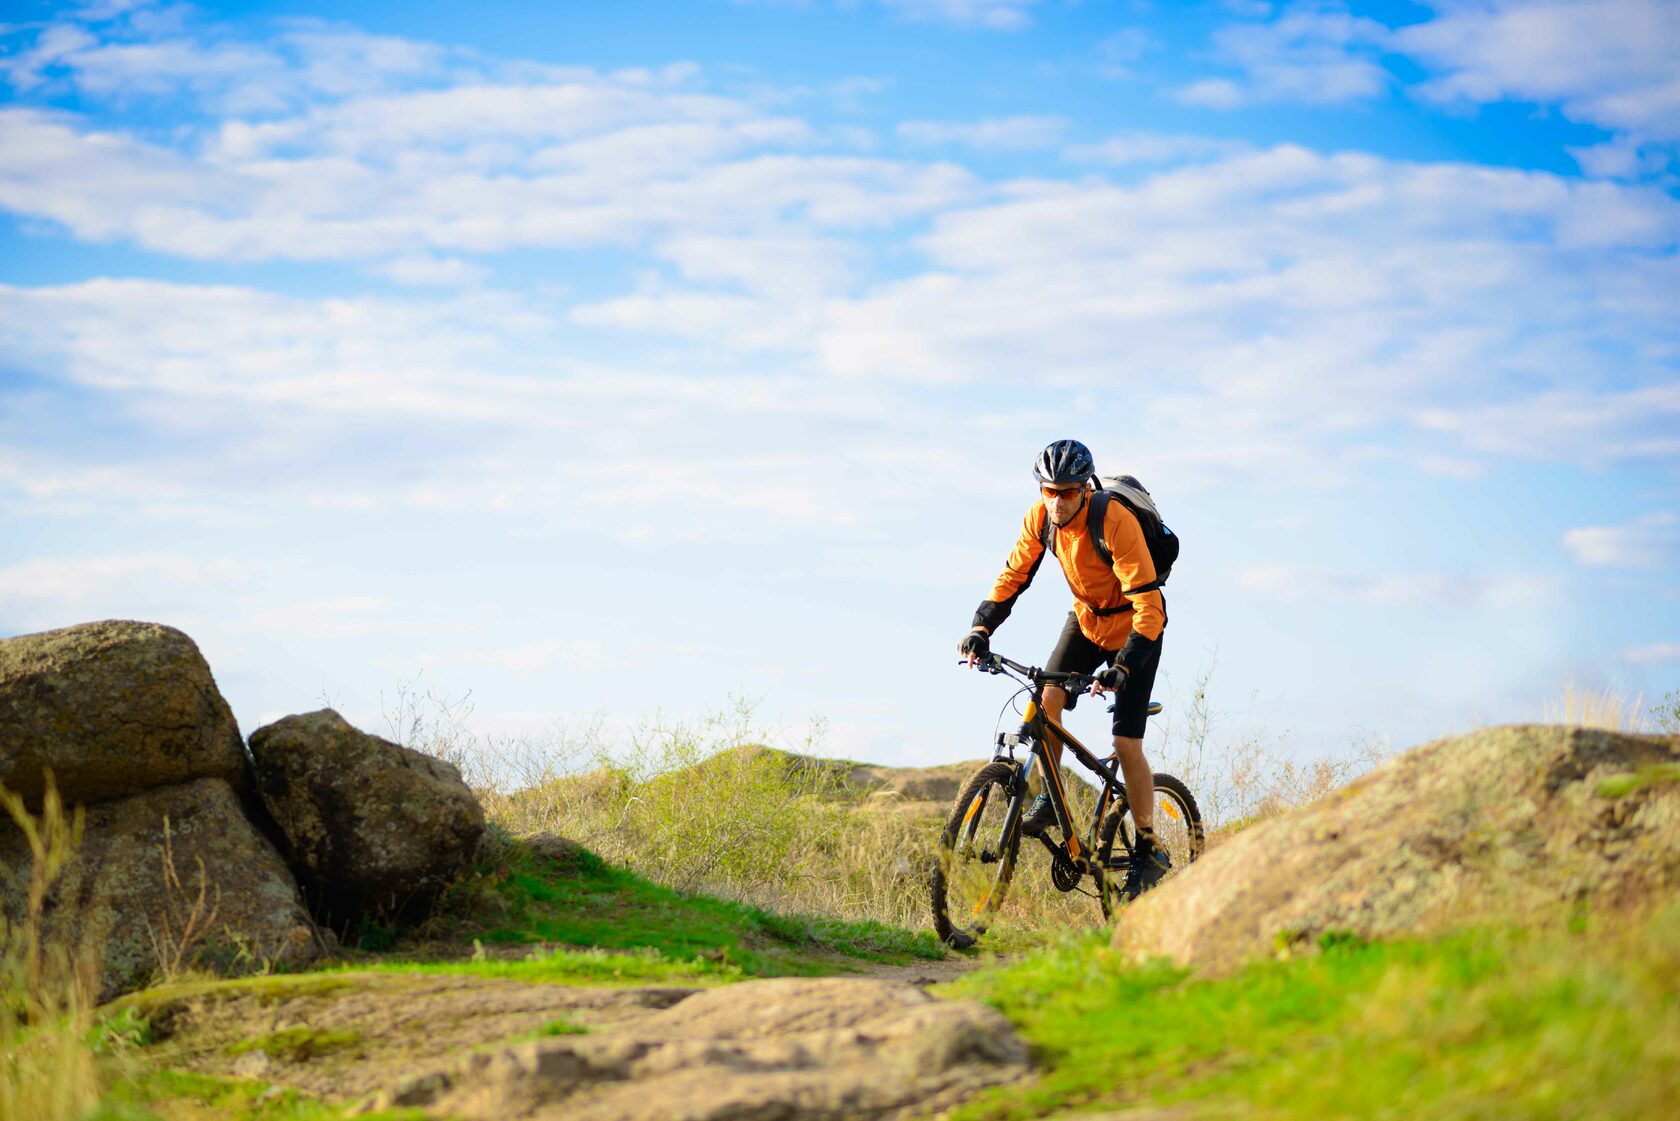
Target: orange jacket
point(1095, 585)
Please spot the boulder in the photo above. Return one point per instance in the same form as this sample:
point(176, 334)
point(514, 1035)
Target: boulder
point(113, 708)
point(1498, 825)
point(370, 827)
point(118, 902)
point(828, 1049)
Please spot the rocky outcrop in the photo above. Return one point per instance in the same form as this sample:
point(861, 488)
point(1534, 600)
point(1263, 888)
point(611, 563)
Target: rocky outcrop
point(829, 1049)
point(132, 895)
point(1499, 824)
point(370, 827)
point(113, 709)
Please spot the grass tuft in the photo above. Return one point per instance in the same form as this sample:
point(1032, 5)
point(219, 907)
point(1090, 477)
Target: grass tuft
point(297, 1044)
point(1601, 707)
point(48, 1067)
point(1620, 786)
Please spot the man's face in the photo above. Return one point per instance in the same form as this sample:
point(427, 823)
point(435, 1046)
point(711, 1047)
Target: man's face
point(1062, 500)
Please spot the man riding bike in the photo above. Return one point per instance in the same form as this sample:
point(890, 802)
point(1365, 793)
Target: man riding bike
point(1117, 619)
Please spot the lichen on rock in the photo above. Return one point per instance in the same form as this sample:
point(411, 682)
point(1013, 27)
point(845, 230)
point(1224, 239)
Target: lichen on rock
point(113, 708)
point(1498, 825)
point(170, 878)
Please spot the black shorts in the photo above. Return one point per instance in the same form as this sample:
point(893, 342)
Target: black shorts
point(1074, 653)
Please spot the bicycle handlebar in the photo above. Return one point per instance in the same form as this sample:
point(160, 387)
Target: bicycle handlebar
point(997, 663)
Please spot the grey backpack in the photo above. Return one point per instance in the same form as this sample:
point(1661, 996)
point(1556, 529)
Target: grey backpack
point(1162, 542)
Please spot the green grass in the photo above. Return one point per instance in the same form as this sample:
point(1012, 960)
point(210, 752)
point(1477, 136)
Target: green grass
point(547, 1031)
point(577, 967)
point(1657, 774)
point(226, 1099)
point(1567, 1022)
point(646, 929)
point(298, 1044)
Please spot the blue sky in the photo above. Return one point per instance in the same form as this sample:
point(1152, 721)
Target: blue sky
point(606, 359)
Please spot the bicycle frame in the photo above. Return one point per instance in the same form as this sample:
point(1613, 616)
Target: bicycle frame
point(1038, 727)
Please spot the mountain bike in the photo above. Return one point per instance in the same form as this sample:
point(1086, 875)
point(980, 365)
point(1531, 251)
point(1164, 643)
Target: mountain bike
point(982, 838)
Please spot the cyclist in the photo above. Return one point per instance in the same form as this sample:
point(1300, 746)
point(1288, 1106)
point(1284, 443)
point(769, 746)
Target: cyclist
point(1117, 619)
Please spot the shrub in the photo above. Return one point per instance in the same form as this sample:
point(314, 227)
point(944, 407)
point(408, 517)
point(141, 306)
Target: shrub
point(708, 805)
point(1665, 715)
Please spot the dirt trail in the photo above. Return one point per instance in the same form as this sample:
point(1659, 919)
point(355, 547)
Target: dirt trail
point(878, 1046)
point(924, 973)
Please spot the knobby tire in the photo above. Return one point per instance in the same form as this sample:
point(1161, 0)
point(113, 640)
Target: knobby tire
point(966, 892)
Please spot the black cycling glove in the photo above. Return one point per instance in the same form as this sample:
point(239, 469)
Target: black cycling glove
point(1113, 678)
point(976, 643)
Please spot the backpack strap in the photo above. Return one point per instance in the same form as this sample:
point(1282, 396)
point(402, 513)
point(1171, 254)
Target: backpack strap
point(1099, 510)
point(1094, 524)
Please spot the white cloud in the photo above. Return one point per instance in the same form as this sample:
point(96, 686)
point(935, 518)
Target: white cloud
point(79, 579)
point(1569, 424)
point(1002, 15)
point(152, 54)
point(334, 617)
point(1397, 589)
point(513, 185)
point(1440, 315)
point(423, 269)
point(528, 658)
point(1623, 158)
point(261, 407)
point(1154, 148)
point(998, 134)
point(1309, 54)
point(1651, 542)
point(1654, 653)
point(251, 350)
point(1606, 62)
point(1120, 49)
point(54, 591)
point(1393, 296)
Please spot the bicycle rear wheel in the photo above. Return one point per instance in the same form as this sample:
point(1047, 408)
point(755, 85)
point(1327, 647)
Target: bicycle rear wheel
point(1178, 829)
point(976, 858)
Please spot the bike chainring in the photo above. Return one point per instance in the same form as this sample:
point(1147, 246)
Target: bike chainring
point(1064, 873)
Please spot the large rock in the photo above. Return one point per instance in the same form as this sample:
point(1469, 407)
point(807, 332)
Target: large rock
point(828, 1049)
point(113, 708)
point(1499, 824)
point(370, 827)
point(117, 902)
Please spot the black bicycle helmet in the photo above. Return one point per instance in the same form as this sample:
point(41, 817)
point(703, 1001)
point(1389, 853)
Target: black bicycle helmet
point(1064, 463)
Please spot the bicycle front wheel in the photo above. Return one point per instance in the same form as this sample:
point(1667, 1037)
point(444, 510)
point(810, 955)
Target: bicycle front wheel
point(976, 856)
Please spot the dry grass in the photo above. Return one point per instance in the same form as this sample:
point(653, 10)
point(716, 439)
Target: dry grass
point(705, 806)
point(48, 1071)
point(1588, 706)
point(1240, 777)
point(185, 918)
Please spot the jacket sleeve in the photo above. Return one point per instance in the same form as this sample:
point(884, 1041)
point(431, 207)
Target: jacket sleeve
point(1135, 569)
point(1018, 571)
